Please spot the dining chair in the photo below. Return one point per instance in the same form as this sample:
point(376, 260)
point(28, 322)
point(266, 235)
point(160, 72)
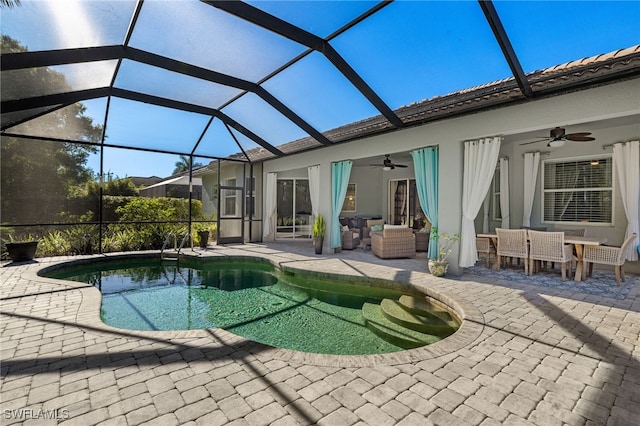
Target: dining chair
point(608, 255)
point(550, 247)
point(483, 246)
point(512, 243)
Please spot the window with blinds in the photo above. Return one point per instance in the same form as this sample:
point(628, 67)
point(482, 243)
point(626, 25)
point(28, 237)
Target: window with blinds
point(578, 191)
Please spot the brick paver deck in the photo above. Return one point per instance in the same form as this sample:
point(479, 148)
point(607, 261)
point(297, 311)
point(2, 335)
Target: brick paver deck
point(524, 356)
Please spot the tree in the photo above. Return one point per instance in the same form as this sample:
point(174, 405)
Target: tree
point(184, 164)
point(38, 176)
point(9, 3)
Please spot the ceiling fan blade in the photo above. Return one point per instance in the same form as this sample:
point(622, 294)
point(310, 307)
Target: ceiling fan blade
point(580, 138)
point(529, 143)
point(400, 165)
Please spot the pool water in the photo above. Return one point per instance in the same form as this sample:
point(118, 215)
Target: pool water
point(250, 299)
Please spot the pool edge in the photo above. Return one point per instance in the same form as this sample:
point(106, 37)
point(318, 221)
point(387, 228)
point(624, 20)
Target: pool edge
point(88, 316)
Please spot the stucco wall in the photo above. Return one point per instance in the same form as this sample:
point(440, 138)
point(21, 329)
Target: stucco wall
point(598, 105)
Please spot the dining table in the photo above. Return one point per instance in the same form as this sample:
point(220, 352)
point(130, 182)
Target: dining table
point(578, 243)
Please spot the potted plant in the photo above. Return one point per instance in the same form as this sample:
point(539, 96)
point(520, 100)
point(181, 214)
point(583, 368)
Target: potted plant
point(21, 251)
point(204, 230)
point(439, 266)
point(319, 228)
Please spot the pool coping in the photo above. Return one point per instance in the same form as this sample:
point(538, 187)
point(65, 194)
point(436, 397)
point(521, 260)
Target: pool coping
point(470, 329)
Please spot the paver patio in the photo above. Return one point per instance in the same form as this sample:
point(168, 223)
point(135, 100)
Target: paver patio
point(528, 356)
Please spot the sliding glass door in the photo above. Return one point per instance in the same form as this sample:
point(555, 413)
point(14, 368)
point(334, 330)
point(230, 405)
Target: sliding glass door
point(404, 206)
point(293, 209)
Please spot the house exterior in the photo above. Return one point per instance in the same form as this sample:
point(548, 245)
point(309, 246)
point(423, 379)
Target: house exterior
point(608, 109)
point(174, 187)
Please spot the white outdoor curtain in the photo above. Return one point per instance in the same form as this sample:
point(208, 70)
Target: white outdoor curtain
point(627, 163)
point(480, 160)
point(269, 230)
point(531, 164)
point(504, 192)
point(314, 188)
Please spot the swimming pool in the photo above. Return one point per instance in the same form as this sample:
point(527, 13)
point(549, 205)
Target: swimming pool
point(256, 300)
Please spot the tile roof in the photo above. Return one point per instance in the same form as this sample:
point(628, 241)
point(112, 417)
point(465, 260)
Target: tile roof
point(563, 78)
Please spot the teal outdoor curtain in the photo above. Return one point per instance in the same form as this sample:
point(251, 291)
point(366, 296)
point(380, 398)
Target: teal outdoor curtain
point(340, 173)
point(425, 164)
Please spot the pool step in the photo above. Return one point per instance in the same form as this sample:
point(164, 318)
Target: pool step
point(425, 323)
point(421, 305)
point(401, 336)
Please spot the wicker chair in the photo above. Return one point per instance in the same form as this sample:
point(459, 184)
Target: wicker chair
point(483, 246)
point(512, 243)
point(392, 242)
point(550, 247)
point(608, 255)
point(350, 239)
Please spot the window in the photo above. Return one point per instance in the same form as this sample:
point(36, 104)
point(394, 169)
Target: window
point(350, 199)
point(496, 213)
point(250, 196)
point(578, 191)
point(229, 198)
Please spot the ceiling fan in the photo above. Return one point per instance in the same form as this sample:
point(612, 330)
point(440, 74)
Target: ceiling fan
point(387, 164)
point(557, 138)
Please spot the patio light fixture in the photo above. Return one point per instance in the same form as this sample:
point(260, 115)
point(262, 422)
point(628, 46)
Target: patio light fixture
point(557, 143)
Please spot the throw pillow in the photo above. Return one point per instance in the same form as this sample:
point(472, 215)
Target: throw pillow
point(377, 227)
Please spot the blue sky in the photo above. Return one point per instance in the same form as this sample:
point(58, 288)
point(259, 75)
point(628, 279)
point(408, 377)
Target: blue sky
point(407, 52)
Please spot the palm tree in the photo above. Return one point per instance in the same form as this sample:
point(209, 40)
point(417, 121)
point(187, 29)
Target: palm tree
point(9, 3)
point(183, 164)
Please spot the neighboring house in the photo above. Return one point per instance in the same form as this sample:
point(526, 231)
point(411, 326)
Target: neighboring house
point(139, 181)
point(175, 187)
point(609, 110)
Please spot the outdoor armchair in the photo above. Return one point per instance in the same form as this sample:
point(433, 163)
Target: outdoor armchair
point(393, 242)
point(608, 255)
point(350, 239)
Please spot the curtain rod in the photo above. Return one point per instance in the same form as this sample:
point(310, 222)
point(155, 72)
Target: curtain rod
point(539, 152)
point(612, 144)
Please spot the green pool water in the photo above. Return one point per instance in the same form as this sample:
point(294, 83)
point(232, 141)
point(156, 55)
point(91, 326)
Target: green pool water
point(250, 299)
